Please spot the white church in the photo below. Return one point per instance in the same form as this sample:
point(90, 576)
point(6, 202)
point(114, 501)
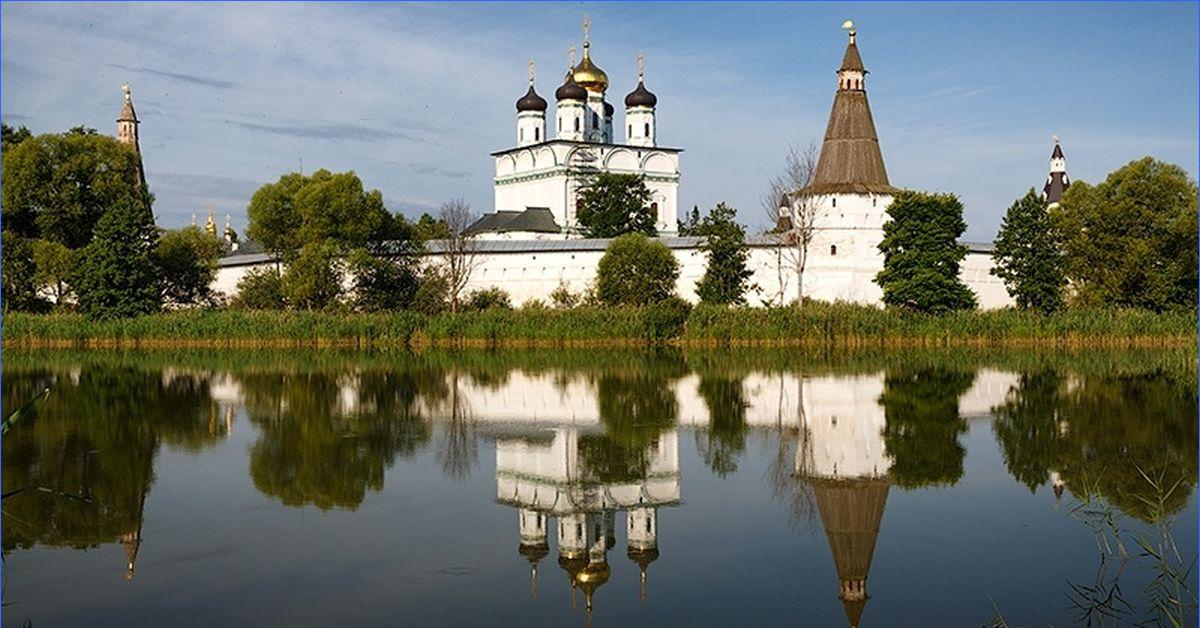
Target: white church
point(531, 245)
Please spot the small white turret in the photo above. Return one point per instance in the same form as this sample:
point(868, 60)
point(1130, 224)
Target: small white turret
point(531, 115)
point(640, 105)
point(571, 96)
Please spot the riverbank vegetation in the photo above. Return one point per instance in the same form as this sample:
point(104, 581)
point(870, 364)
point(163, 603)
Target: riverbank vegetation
point(674, 322)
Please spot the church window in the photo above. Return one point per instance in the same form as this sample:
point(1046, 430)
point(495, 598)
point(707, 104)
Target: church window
point(647, 526)
point(595, 119)
point(833, 249)
point(522, 134)
point(835, 202)
point(579, 531)
point(537, 135)
point(560, 125)
point(577, 123)
point(654, 210)
point(629, 133)
point(873, 199)
point(647, 130)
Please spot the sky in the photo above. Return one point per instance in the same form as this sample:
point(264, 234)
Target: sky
point(414, 97)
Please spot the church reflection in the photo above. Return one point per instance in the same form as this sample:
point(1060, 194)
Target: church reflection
point(548, 475)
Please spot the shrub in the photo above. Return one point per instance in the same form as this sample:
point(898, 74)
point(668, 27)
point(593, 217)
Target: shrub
point(488, 299)
point(563, 298)
point(433, 291)
point(381, 284)
point(260, 289)
point(636, 270)
point(186, 260)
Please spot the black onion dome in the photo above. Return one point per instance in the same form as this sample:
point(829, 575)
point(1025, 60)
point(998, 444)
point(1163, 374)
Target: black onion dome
point(608, 109)
point(531, 101)
point(641, 97)
point(570, 90)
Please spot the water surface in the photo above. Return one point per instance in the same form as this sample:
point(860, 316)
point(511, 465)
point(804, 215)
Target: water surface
point(616, 488)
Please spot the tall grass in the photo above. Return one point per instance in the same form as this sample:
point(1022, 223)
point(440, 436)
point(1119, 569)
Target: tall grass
point(816, 325)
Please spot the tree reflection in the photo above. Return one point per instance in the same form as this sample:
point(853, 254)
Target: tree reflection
point(328, 438)
point(923, 425)
point(1105, 435)
point(726, 436)
point(635, 407)
point(90, 448)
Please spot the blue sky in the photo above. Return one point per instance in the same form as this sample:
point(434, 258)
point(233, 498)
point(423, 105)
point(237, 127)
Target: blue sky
point(414, 96)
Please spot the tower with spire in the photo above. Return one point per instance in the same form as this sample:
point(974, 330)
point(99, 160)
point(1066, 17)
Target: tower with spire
point(538, 182)
point(127, 130)
point(1057, 181)
point(846, 198)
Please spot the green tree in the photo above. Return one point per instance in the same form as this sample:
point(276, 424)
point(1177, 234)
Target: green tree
point(488, 299)
point(430, 228)
point(55, 265)
point(56, 187)
point(1131, 240)
point(19, 271)
point(726, 278)
point(313, 281)
point(1028, 255)
point(382, 284)
point(260, 289)
point(433, 292)
point(636, 270)
point(1029, 428)
point(689, 226)
point(116, 277)
point(726, 434)
point(10, 137)
point(615, 204)
point(921, 254)
point(299, 210)
point(186, 260)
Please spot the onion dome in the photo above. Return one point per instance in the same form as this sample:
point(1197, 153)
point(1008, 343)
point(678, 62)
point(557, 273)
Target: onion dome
point(531, 101)
point(588, 74)
point(608, 109)
point(641, 97)
point(570, 90)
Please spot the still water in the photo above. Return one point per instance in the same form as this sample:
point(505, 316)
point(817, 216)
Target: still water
point(602, 488)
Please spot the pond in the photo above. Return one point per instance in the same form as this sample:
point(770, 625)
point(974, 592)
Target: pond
point(556, 488)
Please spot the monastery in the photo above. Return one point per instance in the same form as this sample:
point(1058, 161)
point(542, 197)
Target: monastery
point(530, 244)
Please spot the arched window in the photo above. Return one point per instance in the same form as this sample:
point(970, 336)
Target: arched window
point(654, 210)
point(560, 125)
point(537, 134)
point(595, 119)
point(521, 133)
point(833, 249)
point(647, 129)
point(576, 123)
point(629, 133)
point(835, 201)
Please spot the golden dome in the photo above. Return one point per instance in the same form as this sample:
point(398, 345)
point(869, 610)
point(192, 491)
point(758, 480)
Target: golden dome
point(588, 74)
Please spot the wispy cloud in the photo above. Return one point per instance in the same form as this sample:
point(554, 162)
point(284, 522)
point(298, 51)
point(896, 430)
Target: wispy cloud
point(434, 170)
point(177, 76)
point(352, 132)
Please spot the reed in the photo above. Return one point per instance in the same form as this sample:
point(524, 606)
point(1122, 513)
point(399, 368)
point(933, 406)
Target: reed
point(817, 325)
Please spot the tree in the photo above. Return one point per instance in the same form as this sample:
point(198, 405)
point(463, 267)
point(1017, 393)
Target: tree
point(1131, 240)
point(488, 299)
point(10, 137)
point(260, 289)
point(313, 281)
point(186, 260)
point(790, 204)
point(55, 265)
point(688, 227)
point(923, 425)
point(116, 277)
point(636, 270)
point(56, 187)
point(726, 278)
point(432, 291)
point(18, 271)
point(299, 210)
point(459, 250)
point(921, 254)
point(615, 204)
point(430, 228)
point(382, 284)
point(1028, 255)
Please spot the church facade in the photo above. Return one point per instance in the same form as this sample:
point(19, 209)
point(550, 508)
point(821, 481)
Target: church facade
point(531, 246)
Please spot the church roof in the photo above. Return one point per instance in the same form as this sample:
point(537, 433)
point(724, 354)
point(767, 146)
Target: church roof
point(1056, 185)
point(851, 511)
point(851, 60)
point(570, 90)
point(1057, 154)
point(492, 222)
point(531, 101)
point(641, 97)
point(533, 219)
point(851, 160)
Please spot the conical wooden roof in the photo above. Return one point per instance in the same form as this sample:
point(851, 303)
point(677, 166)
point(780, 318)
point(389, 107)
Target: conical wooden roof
point(851, 511)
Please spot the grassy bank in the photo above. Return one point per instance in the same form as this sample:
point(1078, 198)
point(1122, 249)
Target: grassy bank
point(814, 326)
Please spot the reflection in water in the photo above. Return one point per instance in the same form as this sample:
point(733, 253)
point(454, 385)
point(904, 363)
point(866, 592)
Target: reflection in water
point(583, 450)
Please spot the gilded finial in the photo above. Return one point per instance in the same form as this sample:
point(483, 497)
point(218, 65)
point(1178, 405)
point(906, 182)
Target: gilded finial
point(641, 65)
point(531, 72)
point(1055, 138)
point(587, 29)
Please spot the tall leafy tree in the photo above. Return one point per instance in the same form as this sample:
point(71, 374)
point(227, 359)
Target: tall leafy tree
point(10, 137)
point(1132, 240)
point(18, 273)
point(921, 254)
point(116, 277)
point(615, 204)
point(313, 281)
point(923, 425)
point(57, 186)
point(726, 278)
point(1028, 255)
point(55, 265)
point(691, 223)
point(636, 270)
point(187, 264)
